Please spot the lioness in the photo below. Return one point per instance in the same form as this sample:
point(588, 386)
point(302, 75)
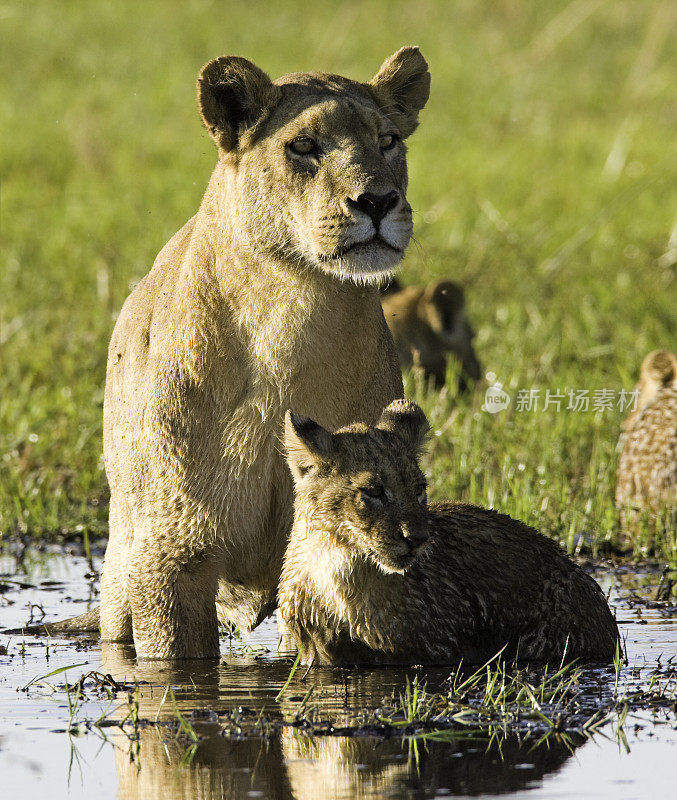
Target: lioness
point(266, 298)
point(373, 575)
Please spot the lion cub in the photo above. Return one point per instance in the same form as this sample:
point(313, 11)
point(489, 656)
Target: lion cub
point(428, 323)
point(373, 575)
point(647, 469)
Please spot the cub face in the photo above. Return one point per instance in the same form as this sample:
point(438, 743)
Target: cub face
point(363, 485)
point(320, 160)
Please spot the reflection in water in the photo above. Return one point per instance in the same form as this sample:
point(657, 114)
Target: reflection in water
point(356, 768)
point(296, 765)
point(219, 769)
point(293, 764)
point(305, 768)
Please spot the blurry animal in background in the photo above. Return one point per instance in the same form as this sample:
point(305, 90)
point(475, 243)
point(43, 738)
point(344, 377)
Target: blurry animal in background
point(373, 575)
point(428, 323)
point(647, 469)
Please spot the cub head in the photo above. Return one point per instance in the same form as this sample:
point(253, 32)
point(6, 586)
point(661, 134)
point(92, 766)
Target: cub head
point(363, 484)
point(314, 165)
point(659, 369)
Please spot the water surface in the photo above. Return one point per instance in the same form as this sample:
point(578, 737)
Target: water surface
point(48, 749)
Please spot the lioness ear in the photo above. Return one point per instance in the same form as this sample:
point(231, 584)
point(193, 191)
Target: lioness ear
point(232, 93)
point(402, 88)
point(307, 443)
point(405, 419)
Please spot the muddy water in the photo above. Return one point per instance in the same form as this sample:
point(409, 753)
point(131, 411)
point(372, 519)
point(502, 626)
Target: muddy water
point(50, 750)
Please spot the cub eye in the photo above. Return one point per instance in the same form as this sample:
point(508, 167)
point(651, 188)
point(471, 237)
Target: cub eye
point(303, 146)
point(387, 141)
point(373, 492)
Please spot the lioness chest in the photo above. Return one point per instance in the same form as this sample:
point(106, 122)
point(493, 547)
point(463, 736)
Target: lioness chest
point(324, 351)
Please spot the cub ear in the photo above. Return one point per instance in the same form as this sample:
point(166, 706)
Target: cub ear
point(445, 294)
point(442, 303)
point(402, 88)
point(232, 93)
point(406, 420)
point(307, 443)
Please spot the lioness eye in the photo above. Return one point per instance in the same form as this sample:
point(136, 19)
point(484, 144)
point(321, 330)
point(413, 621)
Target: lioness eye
point(373, 492)
point(387, 141)
point(302, 146)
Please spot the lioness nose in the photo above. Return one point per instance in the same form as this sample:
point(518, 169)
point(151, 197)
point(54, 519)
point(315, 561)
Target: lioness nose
point(375, 206)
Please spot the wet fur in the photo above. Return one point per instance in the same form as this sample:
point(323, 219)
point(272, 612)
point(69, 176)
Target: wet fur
point(479, 582)
point(254, 305)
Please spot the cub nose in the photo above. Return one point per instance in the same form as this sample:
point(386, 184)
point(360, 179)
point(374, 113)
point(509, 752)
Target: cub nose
point(375, 206)
point(414, 538)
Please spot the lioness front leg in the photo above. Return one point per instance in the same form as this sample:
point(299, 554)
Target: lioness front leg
point(173, 606)
point(115, 620)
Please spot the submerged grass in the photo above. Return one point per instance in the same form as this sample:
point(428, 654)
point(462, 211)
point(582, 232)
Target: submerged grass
point(543, 177)
point(492, 704)
point(498, 700)
point(495, 694)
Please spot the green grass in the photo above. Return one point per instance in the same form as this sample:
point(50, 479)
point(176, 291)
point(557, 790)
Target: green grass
point(543, 176)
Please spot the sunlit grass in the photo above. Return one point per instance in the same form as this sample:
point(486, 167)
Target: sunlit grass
point(544, 177)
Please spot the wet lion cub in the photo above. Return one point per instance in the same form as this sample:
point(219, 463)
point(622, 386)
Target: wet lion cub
point(373, 575)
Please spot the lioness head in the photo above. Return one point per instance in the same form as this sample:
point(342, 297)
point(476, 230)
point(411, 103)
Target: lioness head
point(363, 484)
point(316, 163)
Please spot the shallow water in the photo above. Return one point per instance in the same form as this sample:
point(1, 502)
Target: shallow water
point(50, 750)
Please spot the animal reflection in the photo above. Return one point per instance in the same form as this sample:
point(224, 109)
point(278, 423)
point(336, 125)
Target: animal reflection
point(335, 767)
point(296, 766)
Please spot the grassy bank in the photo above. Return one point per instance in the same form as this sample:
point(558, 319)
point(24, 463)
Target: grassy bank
point(544, 177)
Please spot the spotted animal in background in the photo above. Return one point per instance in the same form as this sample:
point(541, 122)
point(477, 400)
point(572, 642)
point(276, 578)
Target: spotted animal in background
point(647, 469)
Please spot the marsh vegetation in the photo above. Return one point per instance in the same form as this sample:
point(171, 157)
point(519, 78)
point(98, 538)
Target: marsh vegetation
point(92, 719)
point(542, 179)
